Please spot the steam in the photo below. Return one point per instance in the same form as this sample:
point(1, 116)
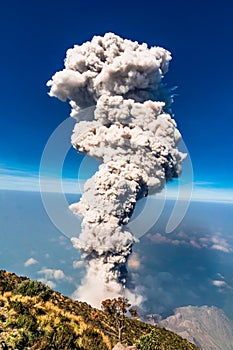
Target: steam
point(122, 111)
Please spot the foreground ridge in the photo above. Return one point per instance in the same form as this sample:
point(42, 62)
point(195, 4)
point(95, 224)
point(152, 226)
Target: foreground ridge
point(33, 316)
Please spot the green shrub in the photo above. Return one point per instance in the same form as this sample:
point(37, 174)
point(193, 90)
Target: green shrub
point(149, 342)
point(27, 322)
point(63, 337)
point(17, 306)
point(93, 340)
point(33, 288)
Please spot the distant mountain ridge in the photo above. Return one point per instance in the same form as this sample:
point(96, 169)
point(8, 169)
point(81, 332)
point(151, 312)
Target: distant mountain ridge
point(34, 316)
point(207, 327)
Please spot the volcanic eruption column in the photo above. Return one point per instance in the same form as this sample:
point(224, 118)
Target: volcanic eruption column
point(121, 107)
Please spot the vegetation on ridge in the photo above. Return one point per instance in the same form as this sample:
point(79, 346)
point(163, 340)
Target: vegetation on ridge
point(34, 316)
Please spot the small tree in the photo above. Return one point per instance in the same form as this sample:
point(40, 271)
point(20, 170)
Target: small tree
point(117, 307)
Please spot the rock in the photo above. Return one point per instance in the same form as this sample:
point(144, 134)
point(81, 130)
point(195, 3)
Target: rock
point(207, 327)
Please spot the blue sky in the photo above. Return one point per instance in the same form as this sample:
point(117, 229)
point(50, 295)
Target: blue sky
point(35, 36)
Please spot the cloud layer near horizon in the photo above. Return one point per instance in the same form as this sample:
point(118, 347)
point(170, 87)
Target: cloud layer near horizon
point(18, 180)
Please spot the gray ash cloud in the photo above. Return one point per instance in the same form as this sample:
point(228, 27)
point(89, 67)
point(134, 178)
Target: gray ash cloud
point(120, 104)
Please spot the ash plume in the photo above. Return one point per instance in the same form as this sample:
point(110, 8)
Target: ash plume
point(122, 110)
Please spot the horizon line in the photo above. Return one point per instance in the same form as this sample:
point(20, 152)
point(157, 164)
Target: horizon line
point(198, 191)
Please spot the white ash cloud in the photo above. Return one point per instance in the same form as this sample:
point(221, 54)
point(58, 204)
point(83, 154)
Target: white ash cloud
point(110, 65)
point(102, 281)
point(77, 264)
point(122, 111)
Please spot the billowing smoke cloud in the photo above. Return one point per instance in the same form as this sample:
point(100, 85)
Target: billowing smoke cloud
point(121, 106)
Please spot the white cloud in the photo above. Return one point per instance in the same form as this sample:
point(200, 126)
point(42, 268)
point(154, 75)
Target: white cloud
point(14, 179)
point(211, 193)
point(219, 283)
point(54, 274)
point(30, 261)
point(51, 273)
point(134, 262)
point(77, 264)
point(220, 247)
point(159, 238)
point(49, 283)
point(63, 241)
point(196, 191)
point(215, 242)
point(220, 244)
point(52, 277)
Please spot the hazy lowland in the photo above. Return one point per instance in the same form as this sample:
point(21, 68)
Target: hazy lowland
point(191, 266)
